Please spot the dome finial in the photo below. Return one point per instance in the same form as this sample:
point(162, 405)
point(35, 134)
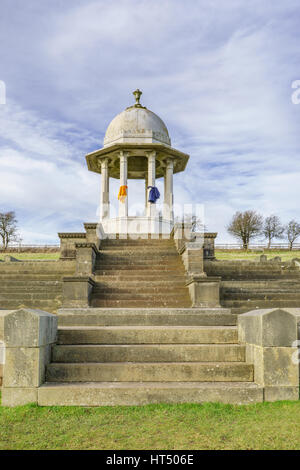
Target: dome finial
point(137, 94)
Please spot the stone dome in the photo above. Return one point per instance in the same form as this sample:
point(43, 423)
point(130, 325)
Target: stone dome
point(137, 125)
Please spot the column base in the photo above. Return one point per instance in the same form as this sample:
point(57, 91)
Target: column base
point(137, 225)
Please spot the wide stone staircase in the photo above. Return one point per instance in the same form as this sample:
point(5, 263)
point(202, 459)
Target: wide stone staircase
point(139, 273)
point(33, 284)
point(249, 295)
point(134, 356)
point(251, 285)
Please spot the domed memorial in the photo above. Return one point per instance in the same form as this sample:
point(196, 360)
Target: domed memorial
point(137, 124)
point(137, 146)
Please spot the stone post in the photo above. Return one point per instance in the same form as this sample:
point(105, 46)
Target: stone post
point(190, 247)
point(104, 200)
point(168, 190)
point(204, 291)
point(270, 337)
point(151, 208)
point(209, 245)
point(85, 258)
point(182, 233)
point(123, 206)
point(92, 233)
point(28, 337)
point(77, 291)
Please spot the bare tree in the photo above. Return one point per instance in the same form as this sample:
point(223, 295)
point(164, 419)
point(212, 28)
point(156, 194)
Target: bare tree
point(8, 228)
point(292, 231)
point(272, 229)
point(245, 225)
point(197, 224)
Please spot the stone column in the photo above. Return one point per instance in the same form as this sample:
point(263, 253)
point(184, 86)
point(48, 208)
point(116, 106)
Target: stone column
point(151, 208)
point(123, 206)
point(104, 201)
point(168, 199)
point(146, 194)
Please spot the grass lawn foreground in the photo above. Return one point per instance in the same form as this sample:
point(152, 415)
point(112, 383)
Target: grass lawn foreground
point(179, 427)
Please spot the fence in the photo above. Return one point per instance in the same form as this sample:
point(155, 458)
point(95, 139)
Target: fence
point(20, 247)
point(262, 246)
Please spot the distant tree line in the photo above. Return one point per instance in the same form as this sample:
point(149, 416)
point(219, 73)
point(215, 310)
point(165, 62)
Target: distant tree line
point(247, 225)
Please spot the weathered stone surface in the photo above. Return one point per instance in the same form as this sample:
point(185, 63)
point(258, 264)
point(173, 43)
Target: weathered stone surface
point(146, 317)
point(273, 366)
point(85, 258)
point(149, 353)
point(77, 291)
point(144, 334)
point(269, 336)
point(149, 372)
point(3, 313)
point(281, 393)
point(25, 367)
point(29, 328)
point(204, 291)
point(9, 259)
point(126, 393)
point(269, 327)
point(19, 396)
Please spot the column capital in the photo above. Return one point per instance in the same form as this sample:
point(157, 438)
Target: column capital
point(123, 154)
point(151, 154)
point(104, 163)
point(170, 163)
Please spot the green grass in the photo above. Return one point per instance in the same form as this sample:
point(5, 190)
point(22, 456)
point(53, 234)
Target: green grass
point(209, 426)
point(33, 256)
point(238, 255)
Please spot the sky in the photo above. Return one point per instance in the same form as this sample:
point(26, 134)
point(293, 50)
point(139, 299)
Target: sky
point(219, 74)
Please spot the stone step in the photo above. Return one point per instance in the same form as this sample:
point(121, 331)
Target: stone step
point(145, 317)
point(253, 284)
point(43, 304)
point(147, 335)
point(134, 284)
point(29, 296)
point(262, 290)
point(252, 304)
point(149, 353)
point(140, 253)
point(169, 303)
point(32, 277)
point(29, 289)
point(261, 296)
point(142, 393)
point(150, 372)
point(141, 250)
point(175, 294)
point(140, 267)
point(30, 283)
point(137, 242)
point(141, 263)
point(131, 276)
point(159, 290)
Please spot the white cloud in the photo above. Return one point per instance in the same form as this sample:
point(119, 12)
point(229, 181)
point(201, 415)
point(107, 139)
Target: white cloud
point(219, 74)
